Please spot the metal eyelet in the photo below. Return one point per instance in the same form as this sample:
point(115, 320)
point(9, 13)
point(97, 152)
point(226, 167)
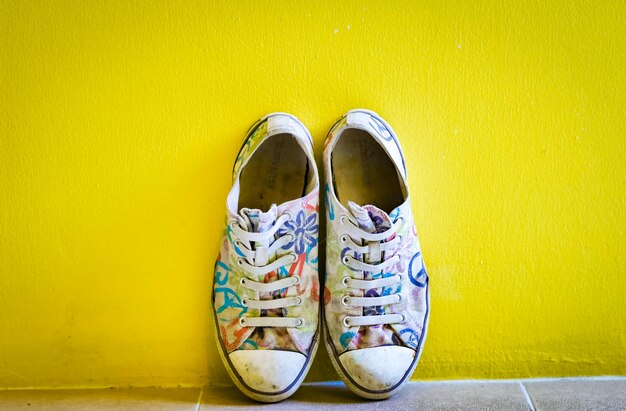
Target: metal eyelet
point(344, 320)
point(287, 214)
point(300, 322)
point(240, 262)
point(297, 280)
point(299, 301)
point(242, 281)
point(345, 260)
point(344, 239)
point(244, 301)
point(294, 257)
point(343, 219)
point(399, 299)
point(344, 281)
point(344, 299)
point(403, 319)
point(242, 321)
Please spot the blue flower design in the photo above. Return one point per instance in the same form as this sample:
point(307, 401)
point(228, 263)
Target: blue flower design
point(304, 230)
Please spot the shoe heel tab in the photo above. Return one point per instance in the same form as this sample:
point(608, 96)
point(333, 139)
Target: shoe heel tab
point(282, 122)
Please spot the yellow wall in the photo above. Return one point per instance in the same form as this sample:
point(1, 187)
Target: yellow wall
point(120, 121)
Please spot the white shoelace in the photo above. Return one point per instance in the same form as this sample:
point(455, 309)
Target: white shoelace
point(255, 262)
point(375, 245)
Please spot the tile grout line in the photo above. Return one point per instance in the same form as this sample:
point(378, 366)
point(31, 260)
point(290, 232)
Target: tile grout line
point(199, 399)
point(529, 400)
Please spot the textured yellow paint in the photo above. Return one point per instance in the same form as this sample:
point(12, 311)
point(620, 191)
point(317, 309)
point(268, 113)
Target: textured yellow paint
point(120, 121)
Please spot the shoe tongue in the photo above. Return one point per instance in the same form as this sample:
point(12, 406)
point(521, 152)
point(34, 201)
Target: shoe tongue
point(370, 218)
point(258, 221)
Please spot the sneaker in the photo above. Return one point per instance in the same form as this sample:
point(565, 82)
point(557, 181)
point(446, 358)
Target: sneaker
point(376, 295)
point(266, 285)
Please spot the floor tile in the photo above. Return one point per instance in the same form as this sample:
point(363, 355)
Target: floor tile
point(578, 394)
point(336, 396)
point(101, 399)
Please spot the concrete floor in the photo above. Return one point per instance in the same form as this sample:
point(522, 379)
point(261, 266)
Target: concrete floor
point(602, 393)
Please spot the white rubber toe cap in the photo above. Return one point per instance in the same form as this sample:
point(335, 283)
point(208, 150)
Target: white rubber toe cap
point(268, 371)
point(378, 368)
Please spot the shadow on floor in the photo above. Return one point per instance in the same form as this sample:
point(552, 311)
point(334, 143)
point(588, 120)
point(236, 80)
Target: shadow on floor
point(328, 393)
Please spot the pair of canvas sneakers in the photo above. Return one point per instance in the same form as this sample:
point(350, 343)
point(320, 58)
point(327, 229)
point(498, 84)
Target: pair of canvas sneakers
point(267, 290)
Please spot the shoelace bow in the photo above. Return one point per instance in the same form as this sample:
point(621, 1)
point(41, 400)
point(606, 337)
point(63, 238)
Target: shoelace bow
point(375, 245)
point(257, 250)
